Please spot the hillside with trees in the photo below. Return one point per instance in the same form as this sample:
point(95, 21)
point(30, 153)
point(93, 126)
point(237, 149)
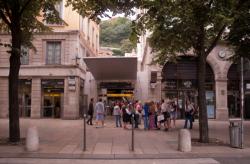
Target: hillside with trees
point(115, 33)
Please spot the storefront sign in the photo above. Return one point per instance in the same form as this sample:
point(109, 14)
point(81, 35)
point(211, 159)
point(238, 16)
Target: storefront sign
point(171, 84)
point(72, 83)
point(248, 86)
point(53, 83)
point(187, 84)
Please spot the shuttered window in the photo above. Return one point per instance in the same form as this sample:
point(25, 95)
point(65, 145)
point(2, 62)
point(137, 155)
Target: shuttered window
point(53, 55)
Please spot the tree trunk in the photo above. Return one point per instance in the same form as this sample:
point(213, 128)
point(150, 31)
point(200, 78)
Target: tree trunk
point(14, 129)
point(203, 122)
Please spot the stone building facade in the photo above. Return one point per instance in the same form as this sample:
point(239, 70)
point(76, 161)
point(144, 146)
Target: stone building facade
point(53, 77)
point(178, 81)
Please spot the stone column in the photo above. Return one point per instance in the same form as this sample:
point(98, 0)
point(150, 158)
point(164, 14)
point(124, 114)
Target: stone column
point(4, 98)
point(36, 98)
point(221, 99)
point(71, 100)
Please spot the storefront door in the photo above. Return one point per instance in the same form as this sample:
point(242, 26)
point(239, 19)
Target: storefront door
point(52, 94)
point(52, 105)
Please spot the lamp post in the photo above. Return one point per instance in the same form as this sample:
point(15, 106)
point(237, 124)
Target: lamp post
point(242, 99)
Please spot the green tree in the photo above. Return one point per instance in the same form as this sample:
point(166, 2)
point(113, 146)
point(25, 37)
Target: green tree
point(239, 35)
point(20, 19)
point(115, 33)
point(176, 27)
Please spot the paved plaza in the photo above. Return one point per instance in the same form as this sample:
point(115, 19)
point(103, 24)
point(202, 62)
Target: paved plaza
point(61, 141)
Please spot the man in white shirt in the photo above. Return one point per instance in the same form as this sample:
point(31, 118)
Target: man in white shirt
point(99, 109)
point(165, 112)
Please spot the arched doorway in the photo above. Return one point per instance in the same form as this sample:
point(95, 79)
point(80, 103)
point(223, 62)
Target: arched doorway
point(233, 87)
point(180, 84)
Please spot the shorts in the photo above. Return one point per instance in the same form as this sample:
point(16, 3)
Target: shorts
point(100, 117)
point(173, 114)
point(166, 115)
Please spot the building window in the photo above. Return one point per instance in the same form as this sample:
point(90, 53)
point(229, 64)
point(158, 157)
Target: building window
point(153, 77)
point(24, 55)
point(53, 53)
point(93, 34)
point(97, 43)
point(88, 25)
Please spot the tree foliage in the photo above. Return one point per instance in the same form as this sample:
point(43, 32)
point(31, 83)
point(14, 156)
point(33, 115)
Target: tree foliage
point(21, 19)
point(115, 33)
point(239, 35)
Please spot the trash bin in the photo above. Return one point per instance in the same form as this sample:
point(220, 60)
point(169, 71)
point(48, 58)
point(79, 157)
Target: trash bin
point(235, 133)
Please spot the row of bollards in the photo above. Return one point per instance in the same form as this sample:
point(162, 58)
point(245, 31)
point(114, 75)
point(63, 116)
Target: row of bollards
point(32, 139)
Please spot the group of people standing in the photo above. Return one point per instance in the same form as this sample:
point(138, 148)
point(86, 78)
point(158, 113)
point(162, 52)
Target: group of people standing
point(155, 115)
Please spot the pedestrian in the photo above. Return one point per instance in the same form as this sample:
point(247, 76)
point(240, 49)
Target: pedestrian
point(90, 112)
point(117, 114)
point(189, 110)
point(165, 111)
point(137, 112)
point(99, 108)
point(125, 115)
point(173, 112)
point(152, 116)
point(146, 115)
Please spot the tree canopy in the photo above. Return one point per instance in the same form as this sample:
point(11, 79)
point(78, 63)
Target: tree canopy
point(115, 33)
point(239, 35)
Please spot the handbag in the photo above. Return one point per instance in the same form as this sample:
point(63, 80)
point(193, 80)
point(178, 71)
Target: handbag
point(160, 118)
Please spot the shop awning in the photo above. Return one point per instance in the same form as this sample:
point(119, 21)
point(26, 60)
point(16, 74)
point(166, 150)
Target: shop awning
point(112, 68)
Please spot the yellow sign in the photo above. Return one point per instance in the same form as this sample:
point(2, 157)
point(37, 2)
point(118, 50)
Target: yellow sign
point(52, 94)
point(119, 95)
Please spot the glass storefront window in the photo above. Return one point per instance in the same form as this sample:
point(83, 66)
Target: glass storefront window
point(210, 104)
point(24, 98)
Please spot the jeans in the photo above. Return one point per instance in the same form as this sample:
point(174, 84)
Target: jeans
point(118, 121)
point(136, 120)
point(146, 122)
point(190, 119)
point(90, 120)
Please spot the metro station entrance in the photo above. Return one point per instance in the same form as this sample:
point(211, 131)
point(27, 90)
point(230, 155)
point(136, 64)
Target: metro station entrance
point(115, 77)
point(113, 92)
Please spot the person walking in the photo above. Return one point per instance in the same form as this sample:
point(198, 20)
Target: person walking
point(189, 110)
point(117, 114)
point(90, 112)
point(99, 108)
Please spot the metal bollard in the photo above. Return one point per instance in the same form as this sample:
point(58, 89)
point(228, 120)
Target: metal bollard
point(84, 132)
point(133, 135)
